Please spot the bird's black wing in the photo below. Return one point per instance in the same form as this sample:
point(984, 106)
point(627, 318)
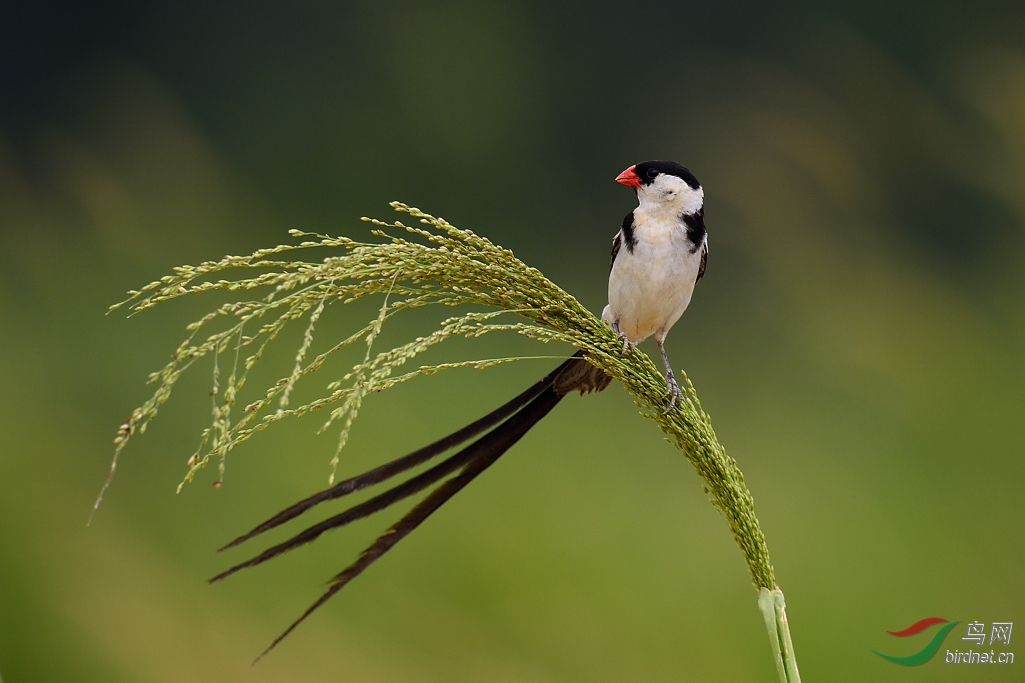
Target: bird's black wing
point(625, 235)
point(704, 261)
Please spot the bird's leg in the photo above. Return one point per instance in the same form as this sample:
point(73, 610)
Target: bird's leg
point(627, 344)
point(672, 388)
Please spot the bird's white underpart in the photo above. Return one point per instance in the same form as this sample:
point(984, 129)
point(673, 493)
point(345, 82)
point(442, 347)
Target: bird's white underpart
point(657, 265)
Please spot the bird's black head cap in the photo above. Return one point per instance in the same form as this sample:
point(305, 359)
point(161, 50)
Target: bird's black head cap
point(649, 170)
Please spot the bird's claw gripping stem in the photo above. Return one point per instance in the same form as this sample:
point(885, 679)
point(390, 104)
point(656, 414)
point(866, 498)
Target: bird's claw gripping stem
point(627, 344)
point(673, 391)
point(672, 387)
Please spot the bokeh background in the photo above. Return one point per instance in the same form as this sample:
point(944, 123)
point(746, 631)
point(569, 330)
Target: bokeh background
point(858, 337)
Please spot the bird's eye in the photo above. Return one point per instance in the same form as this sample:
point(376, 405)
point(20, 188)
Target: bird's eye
point(652, 173)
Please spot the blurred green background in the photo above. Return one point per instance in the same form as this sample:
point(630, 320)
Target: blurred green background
point(858, 337)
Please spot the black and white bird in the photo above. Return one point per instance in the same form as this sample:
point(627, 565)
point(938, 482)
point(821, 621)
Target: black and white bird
point(657, 257)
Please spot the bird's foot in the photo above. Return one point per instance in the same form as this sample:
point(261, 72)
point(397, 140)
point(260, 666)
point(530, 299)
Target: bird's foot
point(673, 392)
point(627, 344)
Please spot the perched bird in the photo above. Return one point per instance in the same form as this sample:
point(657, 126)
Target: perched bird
point(657, 257)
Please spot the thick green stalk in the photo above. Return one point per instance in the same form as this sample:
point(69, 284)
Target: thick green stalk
point(774, 611)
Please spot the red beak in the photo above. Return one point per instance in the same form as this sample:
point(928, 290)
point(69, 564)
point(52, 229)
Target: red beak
point(628, 177)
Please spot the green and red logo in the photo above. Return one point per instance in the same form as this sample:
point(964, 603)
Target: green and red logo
point(927, 652)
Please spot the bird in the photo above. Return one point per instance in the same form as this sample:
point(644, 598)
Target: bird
point(657, 257)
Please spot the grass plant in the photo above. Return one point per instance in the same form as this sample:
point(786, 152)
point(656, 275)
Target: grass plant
point(428, 264)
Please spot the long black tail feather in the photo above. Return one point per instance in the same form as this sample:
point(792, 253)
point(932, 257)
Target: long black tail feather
point(479, 448)
point(513, 419)
point(497, 443)
point(406, 462)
